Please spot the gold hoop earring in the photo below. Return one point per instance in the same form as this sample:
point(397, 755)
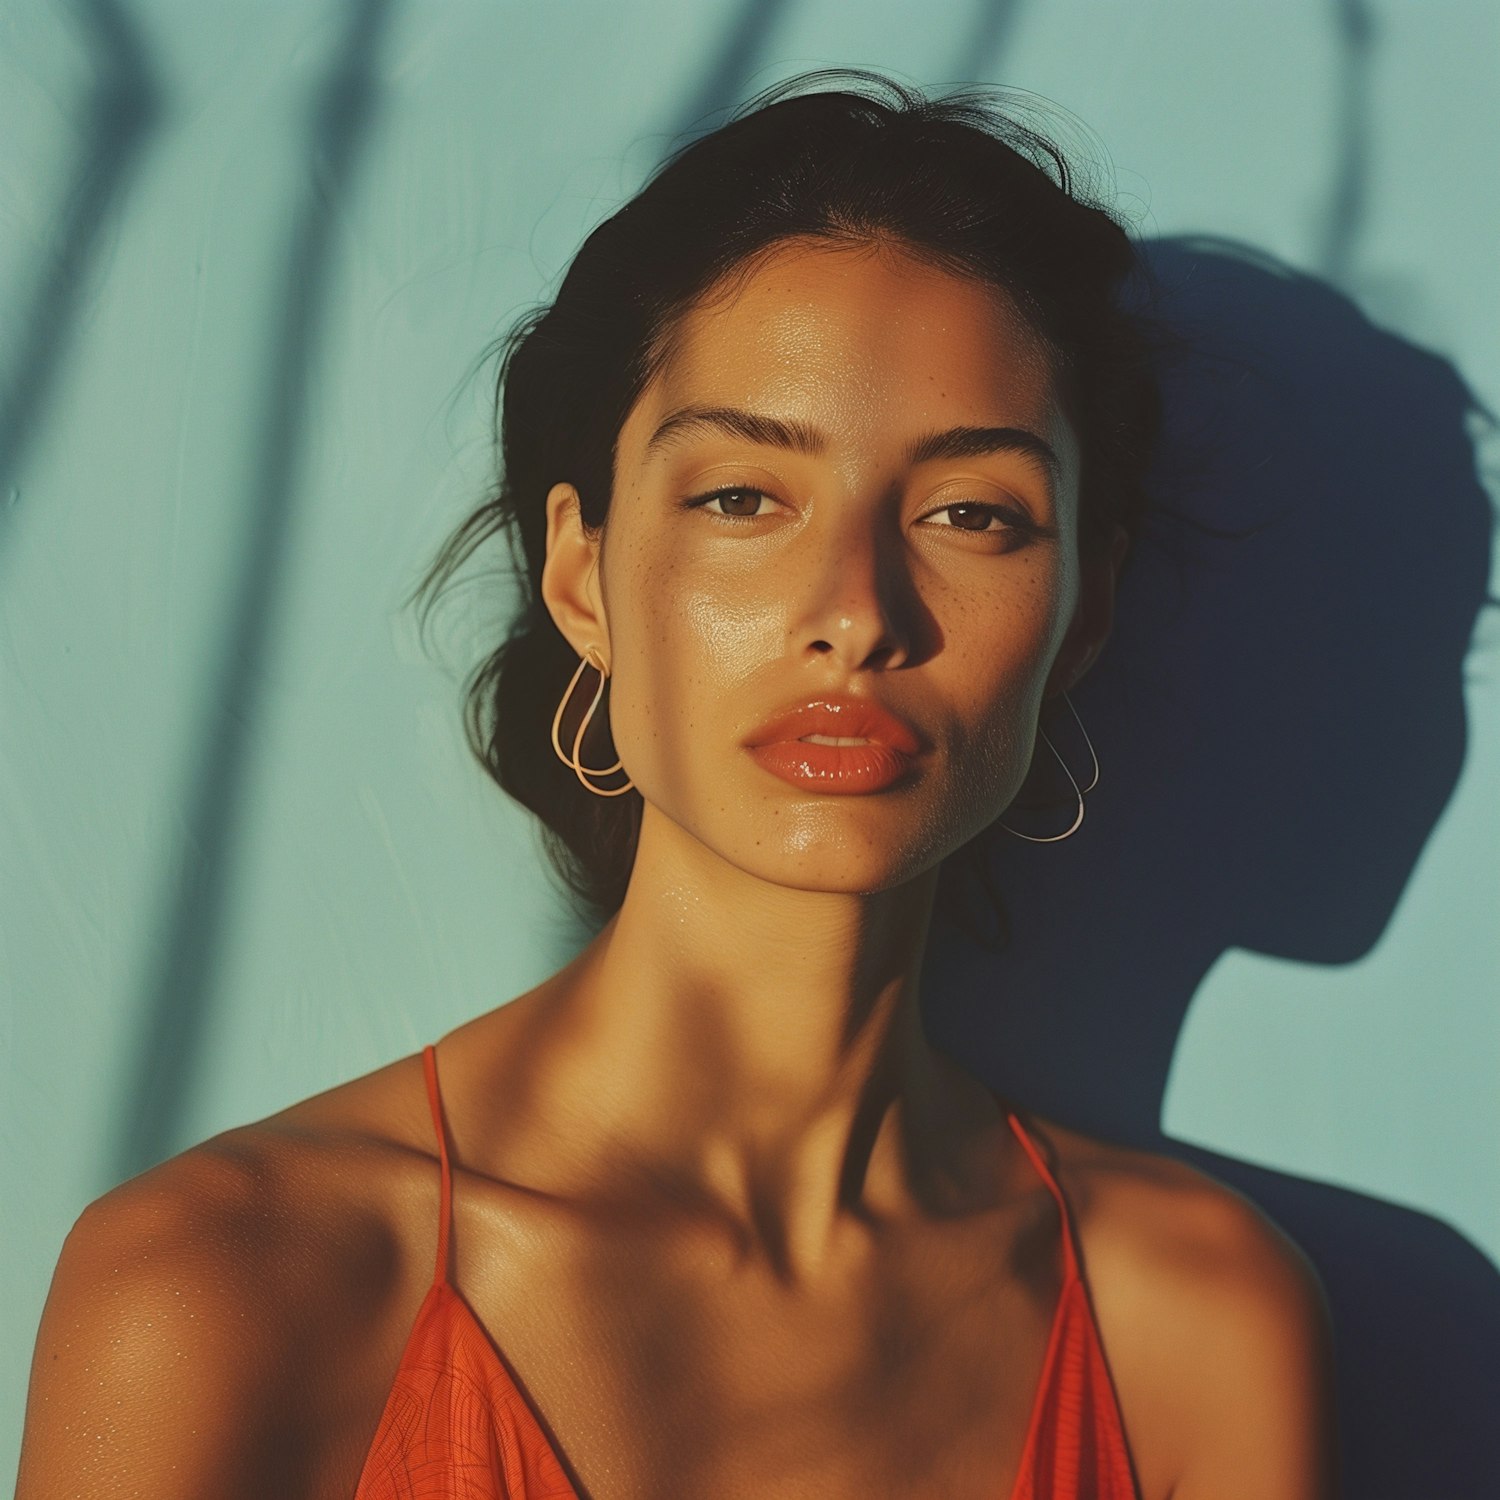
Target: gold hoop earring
point(591, 658)
point(1078, 790)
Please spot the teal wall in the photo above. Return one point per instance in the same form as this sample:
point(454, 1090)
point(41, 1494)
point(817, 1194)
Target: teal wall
point(251, 254)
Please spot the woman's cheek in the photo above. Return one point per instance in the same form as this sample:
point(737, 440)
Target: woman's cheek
point(731, 632)
point(1006, 684)
point(679, 661)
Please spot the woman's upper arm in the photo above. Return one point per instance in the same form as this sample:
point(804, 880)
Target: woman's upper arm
point(1257, 1376)
point(151, 1365)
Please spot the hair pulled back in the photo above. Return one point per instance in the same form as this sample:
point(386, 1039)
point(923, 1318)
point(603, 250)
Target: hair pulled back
point(956, 181)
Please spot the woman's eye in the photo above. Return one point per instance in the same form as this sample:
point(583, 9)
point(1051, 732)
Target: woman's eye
point(972, 515)
point(737, 503)
point(742, 503)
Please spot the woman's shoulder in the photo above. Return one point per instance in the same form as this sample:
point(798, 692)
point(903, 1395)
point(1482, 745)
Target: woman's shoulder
point(1166, 1225)
point(306, 1200)
point(1127, 1200)
point(274, 1188)
point(196, 1306)
point(1213, 1319)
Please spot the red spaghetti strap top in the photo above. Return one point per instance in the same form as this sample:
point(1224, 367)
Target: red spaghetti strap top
point(1075, 1446)
point(456, 1426)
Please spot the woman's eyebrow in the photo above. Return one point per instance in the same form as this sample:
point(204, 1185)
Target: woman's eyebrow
point(954, 442)
point(751, 426)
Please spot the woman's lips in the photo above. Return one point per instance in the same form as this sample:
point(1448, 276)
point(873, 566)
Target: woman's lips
point(833, 768)
point(782, 745)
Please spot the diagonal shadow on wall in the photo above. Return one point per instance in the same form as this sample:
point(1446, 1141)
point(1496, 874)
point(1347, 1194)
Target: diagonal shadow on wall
point(982, 52)
point(124, 104)
point(724, 80)
point(1348, 203)
point(1280, 721)
point(181, 966)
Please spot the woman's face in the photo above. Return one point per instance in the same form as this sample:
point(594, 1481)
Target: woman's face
point(835, 557)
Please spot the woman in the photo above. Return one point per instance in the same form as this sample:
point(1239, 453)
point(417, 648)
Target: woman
point(834, 433)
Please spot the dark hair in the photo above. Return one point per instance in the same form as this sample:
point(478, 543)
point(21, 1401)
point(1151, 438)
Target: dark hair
point(956, 181)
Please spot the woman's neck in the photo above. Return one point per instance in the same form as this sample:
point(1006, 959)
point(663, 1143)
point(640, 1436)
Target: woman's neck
point(758, 1050)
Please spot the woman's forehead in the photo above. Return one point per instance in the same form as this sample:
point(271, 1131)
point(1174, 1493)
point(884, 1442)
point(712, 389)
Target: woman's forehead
point(852, 341)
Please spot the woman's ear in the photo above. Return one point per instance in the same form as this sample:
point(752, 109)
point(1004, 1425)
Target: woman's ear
point(1093, 615)
point(570, 576)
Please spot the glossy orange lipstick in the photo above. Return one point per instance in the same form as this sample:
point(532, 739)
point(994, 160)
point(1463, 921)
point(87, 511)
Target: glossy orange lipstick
point(888, 746)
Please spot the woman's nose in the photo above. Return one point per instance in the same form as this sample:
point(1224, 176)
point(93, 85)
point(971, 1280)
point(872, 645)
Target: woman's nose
point(860, 602)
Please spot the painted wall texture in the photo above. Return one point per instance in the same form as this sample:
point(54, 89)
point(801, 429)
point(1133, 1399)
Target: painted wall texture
point(250, 257)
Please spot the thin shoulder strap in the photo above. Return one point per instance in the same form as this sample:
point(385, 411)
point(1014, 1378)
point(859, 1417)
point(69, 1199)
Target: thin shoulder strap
point(1070, 1254)
point(445, 1194)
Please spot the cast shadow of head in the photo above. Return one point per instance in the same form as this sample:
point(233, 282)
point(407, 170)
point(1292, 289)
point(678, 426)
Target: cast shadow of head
point(1279, 718)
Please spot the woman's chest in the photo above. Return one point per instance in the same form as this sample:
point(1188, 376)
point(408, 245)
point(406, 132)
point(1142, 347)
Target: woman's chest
point(643, 1375)
point(809, 1428)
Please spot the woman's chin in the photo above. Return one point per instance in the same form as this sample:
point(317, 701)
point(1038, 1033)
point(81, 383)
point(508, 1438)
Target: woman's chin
point(836, 871)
